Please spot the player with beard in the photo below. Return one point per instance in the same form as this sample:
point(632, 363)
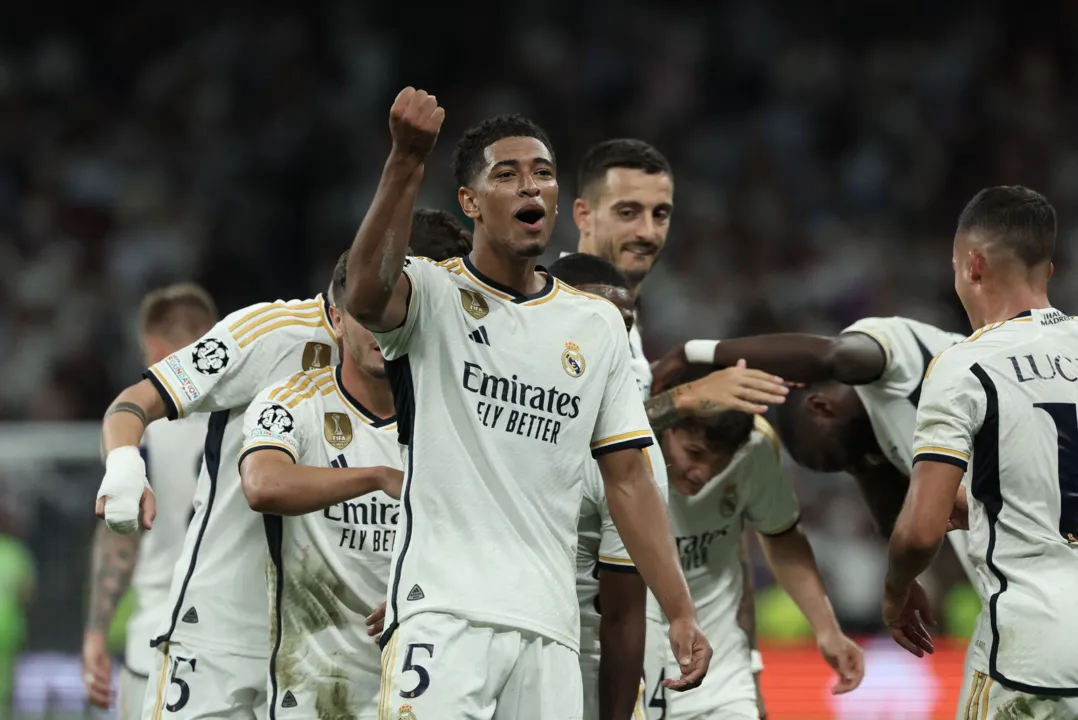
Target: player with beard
point(623, 211)
point(505, 382)
point(328, 492)
point(725, 474)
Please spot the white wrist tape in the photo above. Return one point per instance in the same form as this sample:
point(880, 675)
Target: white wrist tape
point(756, 662)
point(701, 351)
point(122, 486)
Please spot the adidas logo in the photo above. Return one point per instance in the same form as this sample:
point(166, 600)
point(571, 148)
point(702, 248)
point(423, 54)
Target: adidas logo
point(416, 593)
point(289, 700)
point(191, 616)
point(479, 336)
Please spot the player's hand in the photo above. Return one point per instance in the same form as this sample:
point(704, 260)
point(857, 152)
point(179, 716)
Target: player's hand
point(414, 122)
point(125, 499)
point(906, 614)
point(693, 654)
point(737, 388)
point(845, 657)
point(662, 371)
point(761, 708)
point(376, 622)
point(97, 669)
point(392, 482)
point(959, 519)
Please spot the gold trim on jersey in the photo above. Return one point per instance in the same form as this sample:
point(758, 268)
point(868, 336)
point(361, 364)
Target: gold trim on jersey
point(977, 703)
point(941, 451)
point(616, 561)
point(638, 708)
point(277, 315)
point(162, 684)
point(172, 393)
point(888, 354)
point(389, 657)
point(264, 444)
point(504, 296)
point(620, 438)
point(301, 386)
point(763, 427)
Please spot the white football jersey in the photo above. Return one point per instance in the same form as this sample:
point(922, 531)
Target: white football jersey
point(500, 398)
point(707, 526)
point(640, 365)
point(600, 547)
point(173, 454)
point(328, 569)
point(217, 600)
point(1001, 406)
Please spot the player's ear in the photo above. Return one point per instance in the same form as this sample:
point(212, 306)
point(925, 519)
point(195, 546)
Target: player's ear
point(977, 266)
point(467, 199)
point(337, 319)
point(1051, 270)
point(581, 214)
point(820, 404)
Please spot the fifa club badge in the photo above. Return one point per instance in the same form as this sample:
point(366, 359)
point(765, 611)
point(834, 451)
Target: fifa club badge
point(404, 712)
point(474, 304)
point(572, 360)
point(316, 355)
point(338, 429)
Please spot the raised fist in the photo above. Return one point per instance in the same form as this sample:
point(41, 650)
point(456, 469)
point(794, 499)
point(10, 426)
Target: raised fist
point(414, 122)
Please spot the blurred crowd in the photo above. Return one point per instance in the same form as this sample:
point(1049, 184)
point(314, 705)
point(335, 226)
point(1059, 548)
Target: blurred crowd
point(822, 153)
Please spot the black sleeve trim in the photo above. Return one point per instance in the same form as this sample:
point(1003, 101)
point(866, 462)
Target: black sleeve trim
point(407, 301)
point(793, 526)
point(637, 442)
point(171, 411)
point(256, 448)
point(610, 567)
point(941, 458)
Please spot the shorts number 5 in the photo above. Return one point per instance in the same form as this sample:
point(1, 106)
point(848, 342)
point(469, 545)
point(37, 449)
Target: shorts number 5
point(409, 666)
point(185, 690)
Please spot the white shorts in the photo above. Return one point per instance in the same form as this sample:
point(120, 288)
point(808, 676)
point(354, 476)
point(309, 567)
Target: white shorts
point(728, 690)
point(132, 692)
point(297, 694)
point(589, 677)
point(191, 684)
point(440, 666)
point(983, 698)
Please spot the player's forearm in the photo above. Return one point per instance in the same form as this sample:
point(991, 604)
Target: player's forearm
point(639, 513)
point(112, 564)
point(908, 556)
point(376, 259)
point(287, 489)
point(669, 407)
point(746, 609)
point(621, 664)
point(794, 566)
point(804, 358)
point(129, 414)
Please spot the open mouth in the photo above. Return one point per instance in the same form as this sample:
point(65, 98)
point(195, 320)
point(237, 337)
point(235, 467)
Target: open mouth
point(531, 217)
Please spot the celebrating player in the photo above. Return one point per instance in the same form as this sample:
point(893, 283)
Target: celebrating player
point(504, 382)
point(613, 597)
point(725, 472)
point(169, 319)
point(328, 491)
point(999, 409)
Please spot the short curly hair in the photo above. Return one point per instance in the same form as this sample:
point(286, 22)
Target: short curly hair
point(627, 153)
point(438, 235)
point(468, 155)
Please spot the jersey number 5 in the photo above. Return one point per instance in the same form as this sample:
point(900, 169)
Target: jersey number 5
point(1065, 416)
point(185, 690)
point(409, 666)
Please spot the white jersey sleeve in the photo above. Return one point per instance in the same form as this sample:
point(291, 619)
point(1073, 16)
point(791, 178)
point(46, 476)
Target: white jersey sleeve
point(771, 507)
point(622, 422)
point(427, 283)
point(227, 366)
point(612, 552)
point(951, 412)
point(278, 419)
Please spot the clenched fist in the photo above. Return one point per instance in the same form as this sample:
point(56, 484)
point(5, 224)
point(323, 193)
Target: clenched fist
point(414, 122)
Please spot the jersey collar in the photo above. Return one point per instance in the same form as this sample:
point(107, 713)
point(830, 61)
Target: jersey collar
point(504, 292)
point(357, 405)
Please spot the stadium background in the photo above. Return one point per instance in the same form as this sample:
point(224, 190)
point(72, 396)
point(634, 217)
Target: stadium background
point(822, 152)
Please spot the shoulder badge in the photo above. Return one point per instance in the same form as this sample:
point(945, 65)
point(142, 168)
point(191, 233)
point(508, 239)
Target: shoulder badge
point(728, 501)
point(338, 429)
point(572, 360)
point(316, 355)
point(474, 304)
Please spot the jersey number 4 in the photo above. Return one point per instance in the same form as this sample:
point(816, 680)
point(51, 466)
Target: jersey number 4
point(1065, 416)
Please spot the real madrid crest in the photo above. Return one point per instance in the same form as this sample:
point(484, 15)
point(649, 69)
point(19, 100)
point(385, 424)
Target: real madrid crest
point(728, 501)
point(404, 712)
point(572, 360)
point(474, 304)
point(316, 355)
point(338, 427)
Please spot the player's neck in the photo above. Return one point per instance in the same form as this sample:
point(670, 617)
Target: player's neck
point(505, 269)
point(1011, 304)
point(374, 394)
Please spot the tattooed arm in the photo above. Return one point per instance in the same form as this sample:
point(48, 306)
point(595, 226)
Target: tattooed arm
point(113, 561)
point(736, 388)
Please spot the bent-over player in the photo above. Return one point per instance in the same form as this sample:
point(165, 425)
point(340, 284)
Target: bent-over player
point(1000, 411)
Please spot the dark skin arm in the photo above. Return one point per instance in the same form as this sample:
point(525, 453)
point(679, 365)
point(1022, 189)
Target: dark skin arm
point(622, 629)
